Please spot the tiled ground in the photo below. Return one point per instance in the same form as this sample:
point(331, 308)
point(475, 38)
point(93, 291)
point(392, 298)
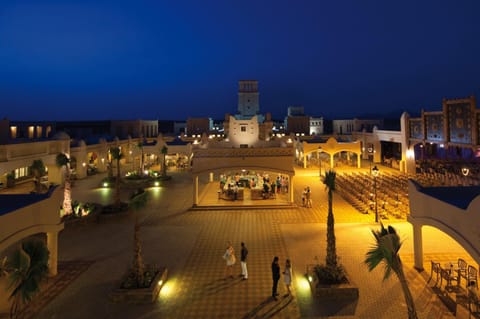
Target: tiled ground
point(191, 244)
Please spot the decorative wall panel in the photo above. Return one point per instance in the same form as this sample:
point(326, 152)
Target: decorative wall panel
point(416, 131)
point(460, 119)
point(434, 125)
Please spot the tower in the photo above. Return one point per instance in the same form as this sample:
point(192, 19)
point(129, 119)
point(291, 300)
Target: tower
point(248, 99)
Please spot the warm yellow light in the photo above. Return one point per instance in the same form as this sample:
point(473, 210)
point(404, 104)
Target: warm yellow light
point(168, 289)
point(105, 184)
point(303, 285)
point(157, 183)
point(84, 164)
point(410, 153)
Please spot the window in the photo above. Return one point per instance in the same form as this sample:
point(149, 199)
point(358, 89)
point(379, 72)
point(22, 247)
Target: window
point(243, 128)
point(13, 131)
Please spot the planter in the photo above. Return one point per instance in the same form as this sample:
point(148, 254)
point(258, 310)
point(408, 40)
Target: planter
point(345, 290)
point(92, 217)
point(140, 295)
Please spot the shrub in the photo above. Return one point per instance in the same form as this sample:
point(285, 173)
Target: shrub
point(330, 275)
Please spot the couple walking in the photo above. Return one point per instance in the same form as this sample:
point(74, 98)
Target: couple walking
point(287, 276)
point(230, 260)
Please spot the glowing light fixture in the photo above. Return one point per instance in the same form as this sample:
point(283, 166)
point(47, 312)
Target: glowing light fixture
point(465, 171)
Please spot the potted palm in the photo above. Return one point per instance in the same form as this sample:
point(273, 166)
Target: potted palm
point(38, 170)
point(142, 282)
point(63, 161)
point(330, 279)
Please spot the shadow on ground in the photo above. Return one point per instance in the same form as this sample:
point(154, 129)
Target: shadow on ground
point(269, 308)
point(326, 307)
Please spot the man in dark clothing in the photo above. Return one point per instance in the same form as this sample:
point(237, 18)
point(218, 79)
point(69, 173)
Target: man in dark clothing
point(275, 277)
point(243, 261)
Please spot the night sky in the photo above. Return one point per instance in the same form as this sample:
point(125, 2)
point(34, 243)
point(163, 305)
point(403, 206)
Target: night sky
point(86, 60)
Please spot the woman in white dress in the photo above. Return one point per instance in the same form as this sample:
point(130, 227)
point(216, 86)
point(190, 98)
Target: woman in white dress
point(287, 276)
point(230, 260)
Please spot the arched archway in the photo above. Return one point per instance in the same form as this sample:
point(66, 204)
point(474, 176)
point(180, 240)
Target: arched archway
point(331, 147)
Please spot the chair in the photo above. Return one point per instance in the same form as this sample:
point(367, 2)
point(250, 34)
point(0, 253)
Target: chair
point(473, 299)
point(449, 276)
point(472, 275)
point(435, 268)
point(462, 270)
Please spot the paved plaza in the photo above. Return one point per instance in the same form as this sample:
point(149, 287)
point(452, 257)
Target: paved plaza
point(190, 243)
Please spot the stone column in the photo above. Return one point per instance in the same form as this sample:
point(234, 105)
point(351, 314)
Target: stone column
point(52, 245)
point(290, 188)
point(195, 190)
point(331, 161)
point(304, 160)
point(359, 161)
point(211, 177)
point(418, 246)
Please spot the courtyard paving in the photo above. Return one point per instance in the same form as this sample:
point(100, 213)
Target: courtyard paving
point(190, 243)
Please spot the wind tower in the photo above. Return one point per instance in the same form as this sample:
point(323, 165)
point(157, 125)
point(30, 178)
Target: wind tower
point(248, 105)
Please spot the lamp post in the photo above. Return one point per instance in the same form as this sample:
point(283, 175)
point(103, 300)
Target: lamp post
point(370, 158)
point(375, 172)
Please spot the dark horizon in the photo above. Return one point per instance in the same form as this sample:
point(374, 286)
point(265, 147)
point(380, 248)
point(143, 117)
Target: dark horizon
point(86, 60)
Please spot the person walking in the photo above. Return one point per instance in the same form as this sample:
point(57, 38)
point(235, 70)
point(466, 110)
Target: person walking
point(275, 277)
point(308, 197)
point(230, 260)
point(243, 261)
point(287, 276)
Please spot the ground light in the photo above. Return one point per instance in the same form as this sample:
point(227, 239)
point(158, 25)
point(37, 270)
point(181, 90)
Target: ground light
point(155, 192)
point(105, 184)
point(168, 289)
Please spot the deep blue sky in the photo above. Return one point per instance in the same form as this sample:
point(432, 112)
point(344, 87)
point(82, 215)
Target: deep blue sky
point(66, 60)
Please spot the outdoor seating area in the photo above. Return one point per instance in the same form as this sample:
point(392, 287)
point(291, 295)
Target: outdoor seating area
point(447, 173)
point(359, 189)
point(238, 186)
point(447, 282)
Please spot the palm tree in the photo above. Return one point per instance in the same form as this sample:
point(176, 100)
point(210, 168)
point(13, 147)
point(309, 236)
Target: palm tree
point(62, 160)
point(137, 201)
point(164, 151)
point(28, 267)
point(38, 170)
point(331, 259)
point(117, 155)
point(386, 247)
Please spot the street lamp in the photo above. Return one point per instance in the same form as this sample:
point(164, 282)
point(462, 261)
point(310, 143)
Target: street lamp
point(370, 157)
point(375, 172)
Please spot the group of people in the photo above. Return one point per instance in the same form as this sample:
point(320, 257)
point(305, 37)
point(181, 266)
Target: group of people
point(307, 197)
point(230, 259)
